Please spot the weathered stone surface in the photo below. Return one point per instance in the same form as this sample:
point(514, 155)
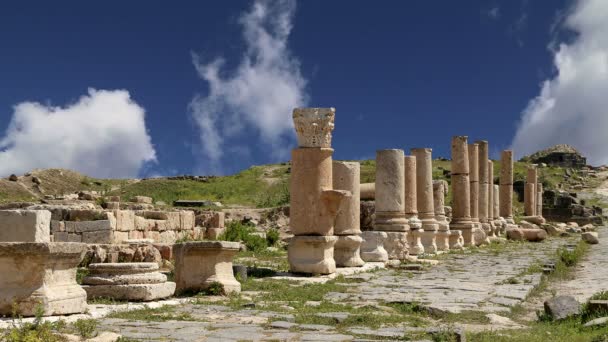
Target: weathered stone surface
point(99, 236)
point(390, 191)
point(200, 264)
point(41, 274)
point(346, 176)
point(533, 235)
point(562, 307)
point(25, 226)
point(143, 199)
point(598, 322)
point(134, 292)
point(125, 279)
point(314, 126)
point(347, 251)
point(312, 254)
point(372, 248)
point(396, 245)
point(590, 238)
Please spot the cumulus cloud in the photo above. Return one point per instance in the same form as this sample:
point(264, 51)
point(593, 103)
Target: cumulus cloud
point(572, 106)
point(103, 134)
point(257, 97)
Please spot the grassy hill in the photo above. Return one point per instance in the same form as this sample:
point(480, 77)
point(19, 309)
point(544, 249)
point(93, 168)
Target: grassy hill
point(258, 186)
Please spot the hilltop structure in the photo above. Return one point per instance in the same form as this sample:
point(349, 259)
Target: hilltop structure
point(559, 155)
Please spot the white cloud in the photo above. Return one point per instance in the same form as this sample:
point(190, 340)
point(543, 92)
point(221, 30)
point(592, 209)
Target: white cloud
point(572, 107)
point(103, 134)
point(256, 99)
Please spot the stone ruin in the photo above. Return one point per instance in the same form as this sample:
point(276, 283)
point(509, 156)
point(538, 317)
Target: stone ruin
point(559, 155)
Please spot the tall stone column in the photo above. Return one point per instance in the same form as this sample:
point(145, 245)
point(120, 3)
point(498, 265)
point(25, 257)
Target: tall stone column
point(461, 187)
point(500, 222)
point(474, 181)
point(483, 185)
point(491, 218)
point(346, 176)
point(530, 191)
point(390, 202)
point(411, 207)
point(539, 199)
point(506, 185)
point(313, 201)
point(440, 188)
point(424, 188)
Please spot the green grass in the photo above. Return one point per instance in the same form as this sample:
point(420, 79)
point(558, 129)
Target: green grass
point(162, 314)
point(568, 331)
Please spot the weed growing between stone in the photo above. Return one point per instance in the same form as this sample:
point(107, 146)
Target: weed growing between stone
point(162, 314)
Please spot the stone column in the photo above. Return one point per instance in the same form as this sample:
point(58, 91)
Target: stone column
point(440, 188)
point(506, 185)
point(313, 201)
point(346, 176)
point(411, 207)
point(539, 199)
point(499, 221)
point(424, 189)
point(461, 187)
point(390, 202)
point(491, 218)
point(474, 179)
point(530, 191)
point(483, 183)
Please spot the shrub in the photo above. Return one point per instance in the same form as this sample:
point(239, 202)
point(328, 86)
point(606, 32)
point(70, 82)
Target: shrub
point(272, 236)
point(86, 327)
point(37, 331)
point(236, 231)
point(215, 289)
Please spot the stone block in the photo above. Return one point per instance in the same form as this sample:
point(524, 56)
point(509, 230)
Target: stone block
point(136, 235)
point(60, 237)
point(135, 292)
point(125, 220)
point(85, 214)
point(396, 245)
point(99, 236)
point(590, 238)
point(217, 220)
point(57, 226)
point(90, 226)
point(25, 226)
point(312, 254)
point(562, 307)
point(72, 237)
point(200, 264)
point(112, 205)
point(533, 235)
point(168, 236)
point(120, 236)
point(152, 235)
point(142, 199)
point(214, 233)
point(173, 220)
point(165, 249)
point(161, 225)
point(186, 220)
point(41, 274)
point(372, 248)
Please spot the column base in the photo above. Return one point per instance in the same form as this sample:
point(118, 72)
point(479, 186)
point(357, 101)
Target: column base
point(456, 240)
point(312, 254)
point(396, 245)
point(347, 251)
point(481, 238)
point(466, 229)
point(386, 221)
point(413, 241)
point(372, 248)
point(428, 239)
point(442, 240)
point(413, 221)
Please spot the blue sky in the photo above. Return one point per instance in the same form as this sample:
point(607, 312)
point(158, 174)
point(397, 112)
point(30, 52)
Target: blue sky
point(400, 74)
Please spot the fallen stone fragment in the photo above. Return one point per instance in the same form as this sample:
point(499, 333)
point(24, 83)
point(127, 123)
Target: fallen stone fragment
point(597, 322)
point(590, 238)
point(562, 307)
point(532, 235)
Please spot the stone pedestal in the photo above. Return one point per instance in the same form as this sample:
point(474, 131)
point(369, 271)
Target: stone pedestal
point(390, 191)
point(200, 264)
point(372, 248)
point(347, 251)
point(312, 254)
point(396, 245)
point(127, 281)
point(456, 239)
point(411, 207)
point(461, 192)
point(424, 189)
point(506, 185)
point(440, 188)
point(41, 275)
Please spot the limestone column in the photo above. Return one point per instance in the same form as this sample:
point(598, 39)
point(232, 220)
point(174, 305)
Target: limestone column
point(499, 221)
point(313, 201)
point(491, 219)
point(424, 189)
point(474, 180)
point(506, 185)
point(390, 202)
point(346, 176)
point(539, 199)
point(530, 191)
point(411, 207)
point(461, 187)
point(483, 185)
point(440, 188)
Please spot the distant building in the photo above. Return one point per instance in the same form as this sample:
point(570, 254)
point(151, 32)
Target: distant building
point(558, 155)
